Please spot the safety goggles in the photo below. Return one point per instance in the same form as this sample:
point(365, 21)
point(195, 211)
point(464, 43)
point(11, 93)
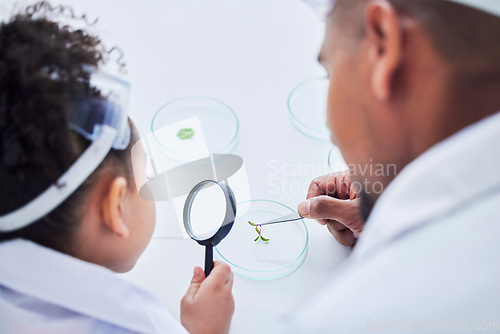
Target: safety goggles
point(88, 116)
point(104, 122)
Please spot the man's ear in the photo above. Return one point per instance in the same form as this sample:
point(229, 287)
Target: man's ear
point(385, 50)
point(113, 205)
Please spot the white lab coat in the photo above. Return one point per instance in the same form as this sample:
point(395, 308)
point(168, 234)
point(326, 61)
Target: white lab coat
point(44, 291)
point(429, 257)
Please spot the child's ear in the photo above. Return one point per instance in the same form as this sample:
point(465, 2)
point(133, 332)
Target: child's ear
point(113, 206)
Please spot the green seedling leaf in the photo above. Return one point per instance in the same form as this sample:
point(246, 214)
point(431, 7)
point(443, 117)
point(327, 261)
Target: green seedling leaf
point(258, 229)
point(186, 133)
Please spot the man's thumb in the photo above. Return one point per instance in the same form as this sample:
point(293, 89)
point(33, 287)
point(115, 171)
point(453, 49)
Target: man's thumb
point(324, 207)
point(198, 278)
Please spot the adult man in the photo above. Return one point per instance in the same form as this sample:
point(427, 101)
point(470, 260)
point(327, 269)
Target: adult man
point(413, 84)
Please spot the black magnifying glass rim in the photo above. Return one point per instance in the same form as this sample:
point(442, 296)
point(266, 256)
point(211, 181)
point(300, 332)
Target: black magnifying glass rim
point(229, 217)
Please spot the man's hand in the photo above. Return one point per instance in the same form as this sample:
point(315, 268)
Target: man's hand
point(333, 201)
point(208, 305)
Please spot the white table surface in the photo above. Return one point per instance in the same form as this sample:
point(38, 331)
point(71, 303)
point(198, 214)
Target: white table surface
point(249, 54)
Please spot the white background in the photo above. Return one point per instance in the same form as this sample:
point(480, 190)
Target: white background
point(249, 54)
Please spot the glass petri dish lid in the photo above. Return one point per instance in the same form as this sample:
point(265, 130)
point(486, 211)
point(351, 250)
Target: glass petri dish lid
point(307, 107)
point(218, 123)
point(280, 256)
point(336, 162)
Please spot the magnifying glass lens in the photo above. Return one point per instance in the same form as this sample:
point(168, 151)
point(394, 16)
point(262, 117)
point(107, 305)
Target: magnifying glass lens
point(208, 211)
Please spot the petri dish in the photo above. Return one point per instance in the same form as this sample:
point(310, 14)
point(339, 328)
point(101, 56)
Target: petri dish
point(336, 161)
point(219, 125)
point(307, 108)
point(259, 260)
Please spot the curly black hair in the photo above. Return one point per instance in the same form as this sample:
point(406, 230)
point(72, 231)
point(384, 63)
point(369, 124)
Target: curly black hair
point(42, 70)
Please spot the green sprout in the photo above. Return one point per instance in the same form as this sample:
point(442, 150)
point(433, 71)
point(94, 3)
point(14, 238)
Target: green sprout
point(186, 133)
point(258, 229)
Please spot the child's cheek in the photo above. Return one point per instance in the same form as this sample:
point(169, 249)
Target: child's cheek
point(147, 219)
point(152, 213)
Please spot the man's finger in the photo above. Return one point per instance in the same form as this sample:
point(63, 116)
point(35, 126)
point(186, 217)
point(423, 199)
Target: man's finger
point(344, 237)
point(354, 190)
point(315, 188)
point(335, 185)
point(335, 225)
point(322, 221)
point(343, 186)
point(324, 185)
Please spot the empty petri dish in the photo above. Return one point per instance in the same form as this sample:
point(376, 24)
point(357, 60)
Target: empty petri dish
point(307, 108)
point(186, 119)
point(281, 255)
point(336, 161)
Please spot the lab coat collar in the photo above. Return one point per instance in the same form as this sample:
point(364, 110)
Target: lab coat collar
point(79, 286)
point(453, 173)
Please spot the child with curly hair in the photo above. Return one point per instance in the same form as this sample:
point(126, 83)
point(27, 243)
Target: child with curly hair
point(70, 213)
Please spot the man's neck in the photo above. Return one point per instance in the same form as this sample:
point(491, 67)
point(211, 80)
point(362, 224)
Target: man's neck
point(464, 105)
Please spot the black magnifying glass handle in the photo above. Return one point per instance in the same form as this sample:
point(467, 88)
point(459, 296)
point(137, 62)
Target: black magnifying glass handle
point(209, 259)
point(223, 230)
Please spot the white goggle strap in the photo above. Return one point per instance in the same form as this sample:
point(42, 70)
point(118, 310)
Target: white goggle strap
point(65, 186)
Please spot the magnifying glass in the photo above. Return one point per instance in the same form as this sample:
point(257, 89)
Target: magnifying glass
point(209, 213)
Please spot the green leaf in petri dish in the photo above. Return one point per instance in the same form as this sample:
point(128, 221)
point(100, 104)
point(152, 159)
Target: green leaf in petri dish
point(186, 133)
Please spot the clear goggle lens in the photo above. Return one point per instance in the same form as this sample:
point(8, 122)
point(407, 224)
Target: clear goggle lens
point(89, 115)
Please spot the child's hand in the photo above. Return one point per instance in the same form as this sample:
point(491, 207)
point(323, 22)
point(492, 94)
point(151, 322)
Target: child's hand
point(208, 305)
